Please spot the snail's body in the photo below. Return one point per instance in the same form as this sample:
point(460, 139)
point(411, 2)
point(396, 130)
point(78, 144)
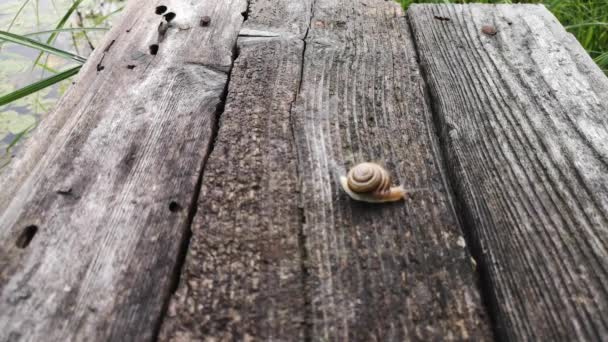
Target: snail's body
point(369, 182)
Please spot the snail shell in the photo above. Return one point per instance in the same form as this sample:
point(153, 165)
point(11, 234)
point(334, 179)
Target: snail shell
point(369, 182)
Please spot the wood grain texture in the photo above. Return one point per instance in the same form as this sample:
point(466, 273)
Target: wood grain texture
point(110, 177)
point(522, 116)
point(389, 272)
point(272, 18)
point(243, 276)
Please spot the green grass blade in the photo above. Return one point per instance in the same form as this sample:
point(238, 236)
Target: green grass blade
point(77, 29)
point(37, 7)
point(64, 19)
point(14, 142)
point(602, 61)
point(60, 24)
point(48, 68)
point(105, 17)
point(74, 42)
point(586, 24)
point(18, 137)
point(25, 41)
point(34, 87)
point(41, 105)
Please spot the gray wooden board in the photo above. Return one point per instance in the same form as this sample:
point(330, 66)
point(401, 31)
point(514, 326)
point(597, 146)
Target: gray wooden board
point(278, 251)
point(524, 126)
point(274, 18)
point(243, 273)
point(395, 271)
point(110, 177)
point(243, 277)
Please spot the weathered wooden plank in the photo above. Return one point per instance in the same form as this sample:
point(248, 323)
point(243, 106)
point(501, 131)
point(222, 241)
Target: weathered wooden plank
point(395, 271)
point(272, 18)
point(254, 268)
point(110, 178)
point(522, 116)
point(243, 273)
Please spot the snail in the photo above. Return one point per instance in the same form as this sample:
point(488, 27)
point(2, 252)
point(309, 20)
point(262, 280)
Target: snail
point(370, 182)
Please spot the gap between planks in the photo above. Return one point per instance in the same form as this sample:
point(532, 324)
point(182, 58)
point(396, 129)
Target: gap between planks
point(484, 283)
point(192, 210)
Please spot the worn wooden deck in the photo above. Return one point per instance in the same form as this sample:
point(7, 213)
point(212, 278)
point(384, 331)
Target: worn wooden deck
point(192, 194)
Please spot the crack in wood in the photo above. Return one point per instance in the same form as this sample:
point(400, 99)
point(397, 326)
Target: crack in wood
point(304, 258)
point(99, 66)
point(472, 244)
point(220, 69)
point(258, 33)
point(192, 209)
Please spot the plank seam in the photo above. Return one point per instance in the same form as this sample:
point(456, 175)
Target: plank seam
point(307, 328)
point(193, 208)
point(464, 218)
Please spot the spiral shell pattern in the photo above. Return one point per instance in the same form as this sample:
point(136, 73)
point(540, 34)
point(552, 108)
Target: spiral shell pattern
point(368, 177)
point(369, 182)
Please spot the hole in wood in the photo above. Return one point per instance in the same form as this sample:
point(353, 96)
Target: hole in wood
point(169, 16)
point(130, 66)
point(205, 20)
point(26, 236)
point(153, 49)
point(160, 9)
point(174, 207)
